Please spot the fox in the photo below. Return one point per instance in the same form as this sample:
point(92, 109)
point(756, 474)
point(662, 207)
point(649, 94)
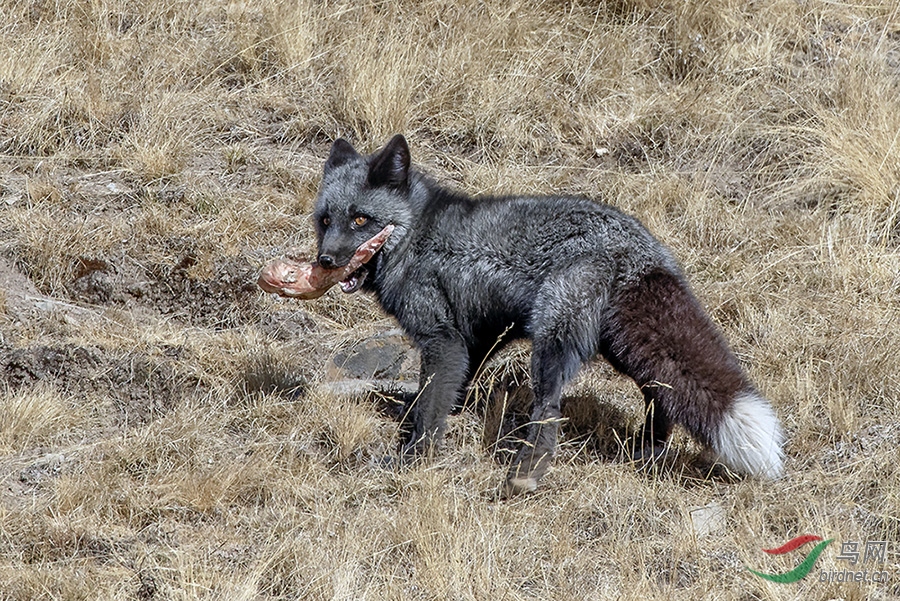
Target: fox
point(465, 275)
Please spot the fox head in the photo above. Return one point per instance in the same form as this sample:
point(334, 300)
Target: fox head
point(359, 196)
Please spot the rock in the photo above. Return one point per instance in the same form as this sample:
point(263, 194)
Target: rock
point(386, 363)
point(707, 520)
point(381, 357)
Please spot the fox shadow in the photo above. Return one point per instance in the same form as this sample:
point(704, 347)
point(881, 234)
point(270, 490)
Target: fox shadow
point(592, 429)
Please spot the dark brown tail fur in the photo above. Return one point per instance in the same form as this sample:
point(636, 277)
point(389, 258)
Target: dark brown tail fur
point(660, 335)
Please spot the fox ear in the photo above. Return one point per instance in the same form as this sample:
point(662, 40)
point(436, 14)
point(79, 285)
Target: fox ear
point(390, 167)
point(341, 152)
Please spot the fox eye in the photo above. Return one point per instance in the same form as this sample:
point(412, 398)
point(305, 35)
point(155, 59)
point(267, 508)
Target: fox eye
point(361, 220)
point(326, 221)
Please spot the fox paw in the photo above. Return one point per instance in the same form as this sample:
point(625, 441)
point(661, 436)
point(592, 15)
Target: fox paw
point(514, 487)
point(526, 471)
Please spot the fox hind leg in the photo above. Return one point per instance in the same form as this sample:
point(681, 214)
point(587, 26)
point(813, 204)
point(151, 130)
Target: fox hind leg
point(657, 426)
point(552, 365)
point(564, 334)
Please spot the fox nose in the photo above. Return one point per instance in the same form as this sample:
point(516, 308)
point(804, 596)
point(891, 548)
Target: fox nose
point(326, 261)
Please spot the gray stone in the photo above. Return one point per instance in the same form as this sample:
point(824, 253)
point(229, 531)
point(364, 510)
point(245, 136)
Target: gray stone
point(381, 357)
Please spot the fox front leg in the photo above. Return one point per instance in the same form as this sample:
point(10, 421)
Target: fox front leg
point(445, 365)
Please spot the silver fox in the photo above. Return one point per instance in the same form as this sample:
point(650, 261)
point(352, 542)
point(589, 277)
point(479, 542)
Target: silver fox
point(576, 277)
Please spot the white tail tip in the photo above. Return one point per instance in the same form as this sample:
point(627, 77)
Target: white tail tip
point(749, 438)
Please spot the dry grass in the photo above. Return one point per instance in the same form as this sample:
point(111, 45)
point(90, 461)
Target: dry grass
point(160, 429)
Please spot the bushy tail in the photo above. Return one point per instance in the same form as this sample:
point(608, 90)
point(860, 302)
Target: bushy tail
point(660, 335)
point(749, 438)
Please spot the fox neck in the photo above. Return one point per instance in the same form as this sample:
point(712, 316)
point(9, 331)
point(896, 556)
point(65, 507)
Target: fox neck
point(404, 216)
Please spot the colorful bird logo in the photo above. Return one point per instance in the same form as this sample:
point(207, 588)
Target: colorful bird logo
point(805, 566)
